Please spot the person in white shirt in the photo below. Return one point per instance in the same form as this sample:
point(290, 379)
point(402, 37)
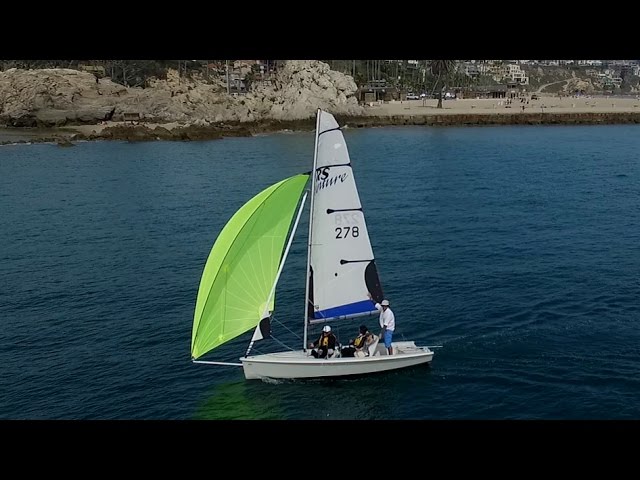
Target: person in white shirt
point(387, 323)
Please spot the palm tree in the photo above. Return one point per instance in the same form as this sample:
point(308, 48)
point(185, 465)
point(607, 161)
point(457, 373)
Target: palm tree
point(441, 68)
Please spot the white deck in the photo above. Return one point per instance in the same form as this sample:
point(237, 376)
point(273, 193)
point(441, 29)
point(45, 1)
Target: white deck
point(299, 364)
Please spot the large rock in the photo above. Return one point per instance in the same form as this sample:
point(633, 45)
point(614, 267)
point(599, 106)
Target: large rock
point(299, 89)
point(55, 97)
point(578, 85)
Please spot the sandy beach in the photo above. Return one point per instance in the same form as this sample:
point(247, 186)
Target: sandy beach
point(554, 110)
point(544, 104)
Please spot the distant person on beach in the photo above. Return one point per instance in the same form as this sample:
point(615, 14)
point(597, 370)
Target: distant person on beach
point(325, 345)
point(387, 323)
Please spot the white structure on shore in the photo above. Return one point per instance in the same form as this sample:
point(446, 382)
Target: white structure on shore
point(514, 74)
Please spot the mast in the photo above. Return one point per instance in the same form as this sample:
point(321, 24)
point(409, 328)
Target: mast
point(313, 188)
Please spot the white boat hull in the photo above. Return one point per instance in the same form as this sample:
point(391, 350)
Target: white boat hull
point(298, 364)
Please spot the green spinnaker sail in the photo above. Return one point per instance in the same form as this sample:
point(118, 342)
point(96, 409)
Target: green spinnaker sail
point(242, 266)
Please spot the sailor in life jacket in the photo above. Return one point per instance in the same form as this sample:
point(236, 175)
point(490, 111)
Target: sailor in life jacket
point(358, 346)
point(326, 344)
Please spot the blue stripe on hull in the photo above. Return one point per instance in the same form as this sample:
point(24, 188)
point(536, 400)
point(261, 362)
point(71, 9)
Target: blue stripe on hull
point(363, 307)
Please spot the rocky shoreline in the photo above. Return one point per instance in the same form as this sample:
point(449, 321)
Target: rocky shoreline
point(63, 106)
point(141, 132)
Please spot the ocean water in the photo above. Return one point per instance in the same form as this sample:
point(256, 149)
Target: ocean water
point(515, 248)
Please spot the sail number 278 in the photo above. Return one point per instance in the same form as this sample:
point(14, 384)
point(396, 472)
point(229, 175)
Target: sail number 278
point(344, 232)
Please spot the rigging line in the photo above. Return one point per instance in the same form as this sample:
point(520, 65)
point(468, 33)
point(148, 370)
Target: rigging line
point(316, 311)
point(281, 344)
point(286, 328)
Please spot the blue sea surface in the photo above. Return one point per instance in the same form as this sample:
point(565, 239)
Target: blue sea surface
point(515, 248)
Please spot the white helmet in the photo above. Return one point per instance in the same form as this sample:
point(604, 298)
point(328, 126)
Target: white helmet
point(385, 303)
point(326, 328)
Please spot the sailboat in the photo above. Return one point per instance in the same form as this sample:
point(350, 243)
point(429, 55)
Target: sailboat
point(238, 285)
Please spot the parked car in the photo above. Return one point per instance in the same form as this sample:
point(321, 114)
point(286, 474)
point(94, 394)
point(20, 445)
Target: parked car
point(413, 96)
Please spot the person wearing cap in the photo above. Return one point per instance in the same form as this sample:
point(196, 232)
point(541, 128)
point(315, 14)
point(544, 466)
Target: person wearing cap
point(325, 345)
point(357, 346)
point(387, 323)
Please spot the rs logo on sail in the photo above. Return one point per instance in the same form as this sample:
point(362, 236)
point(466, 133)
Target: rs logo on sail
point(323, 180)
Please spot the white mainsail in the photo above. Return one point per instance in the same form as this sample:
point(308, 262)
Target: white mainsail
point(342, 265)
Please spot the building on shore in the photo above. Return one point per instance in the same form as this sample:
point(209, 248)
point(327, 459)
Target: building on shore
point(492, 91)
point(377, 90)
